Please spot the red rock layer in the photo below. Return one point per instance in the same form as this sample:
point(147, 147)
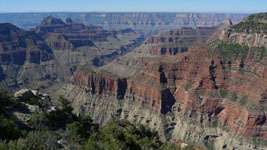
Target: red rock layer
point(192, 85)
point(179, 41)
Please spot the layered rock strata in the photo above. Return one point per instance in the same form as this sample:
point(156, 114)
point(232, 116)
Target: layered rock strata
point(214, 96)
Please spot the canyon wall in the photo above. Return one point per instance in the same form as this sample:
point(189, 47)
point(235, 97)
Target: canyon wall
point(49, 54)
point(213, 96)
point(149, 23)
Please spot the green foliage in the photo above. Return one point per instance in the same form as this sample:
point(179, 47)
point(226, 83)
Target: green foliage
point(228, 51)
point(223, 93)
point(188, 86)
point(65, 104)
point(80, 131)
point(39, 120)
point(6, 100)
point(252, 107)
point(260, 51)
point(59, 119)
point(214, 124)
point(87, 119)
point(13, 145)
point(3, 145)
point(213, 94)
point(198, 93)
point(243, 100)
point(47, 128)
point(41, 140)
point(9, 129)
point(35, 140)
point(189, 147)
point(250, 27)
point(208, 144)
point(259, 16)
point(260, 142)
point(34, 101)
point(122, 135)
point(75, 130)
point(233, 96)
point(169, 146)
point(4, 97)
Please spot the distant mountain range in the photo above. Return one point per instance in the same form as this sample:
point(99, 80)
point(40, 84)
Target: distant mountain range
point(148, 22)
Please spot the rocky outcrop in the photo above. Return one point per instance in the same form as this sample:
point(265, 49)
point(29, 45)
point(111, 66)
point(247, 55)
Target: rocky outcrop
point(106, 84)
point(180, 41)
point(23, 94)
point(250, 32)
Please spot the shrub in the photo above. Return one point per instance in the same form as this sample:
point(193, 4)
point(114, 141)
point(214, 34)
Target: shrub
point(34, 101)
point(232, 51)
point(123, 135)
point(243, 100)
point(250, 27)
point(223, 93)
point(233, 97)
point(41, 140)
point(189, 147)
point(39, 120)
point(169, 146)
point(76, 131)
point(65, 104)
point(188, 86)
point(214, 124)
point(9, 129)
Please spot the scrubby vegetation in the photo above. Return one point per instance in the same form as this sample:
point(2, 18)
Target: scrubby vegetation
point(243, 100)
point(223, 93)
point(228, 51)
point(252, 24)
point(250, 27)
point(259, 16)
point(60, 129)
point(260, 53)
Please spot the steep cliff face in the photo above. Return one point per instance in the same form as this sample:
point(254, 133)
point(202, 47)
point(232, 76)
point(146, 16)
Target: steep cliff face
point(99, 45)
point(106, 84)
point(49, 54)
point(213, 96)
point(250, 32)
point(179, 41)
point(76, 34)
point(197, 85)
point(18, 46)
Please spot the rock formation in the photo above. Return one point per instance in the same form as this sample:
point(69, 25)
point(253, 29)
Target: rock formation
point(250, 32)
point(188, 84)
point(213, 96)
point(53, 51)
point(184, 38)
point(148, 23)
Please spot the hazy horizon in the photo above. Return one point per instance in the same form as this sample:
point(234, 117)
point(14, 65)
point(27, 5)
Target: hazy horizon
point(191, 6)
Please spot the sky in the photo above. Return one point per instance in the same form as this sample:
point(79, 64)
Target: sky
point(231, 6)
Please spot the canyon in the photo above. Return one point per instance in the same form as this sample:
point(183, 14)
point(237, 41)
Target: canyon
point(212, 96)
point(53, 51)
point(148, 22)
point(203, 84)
